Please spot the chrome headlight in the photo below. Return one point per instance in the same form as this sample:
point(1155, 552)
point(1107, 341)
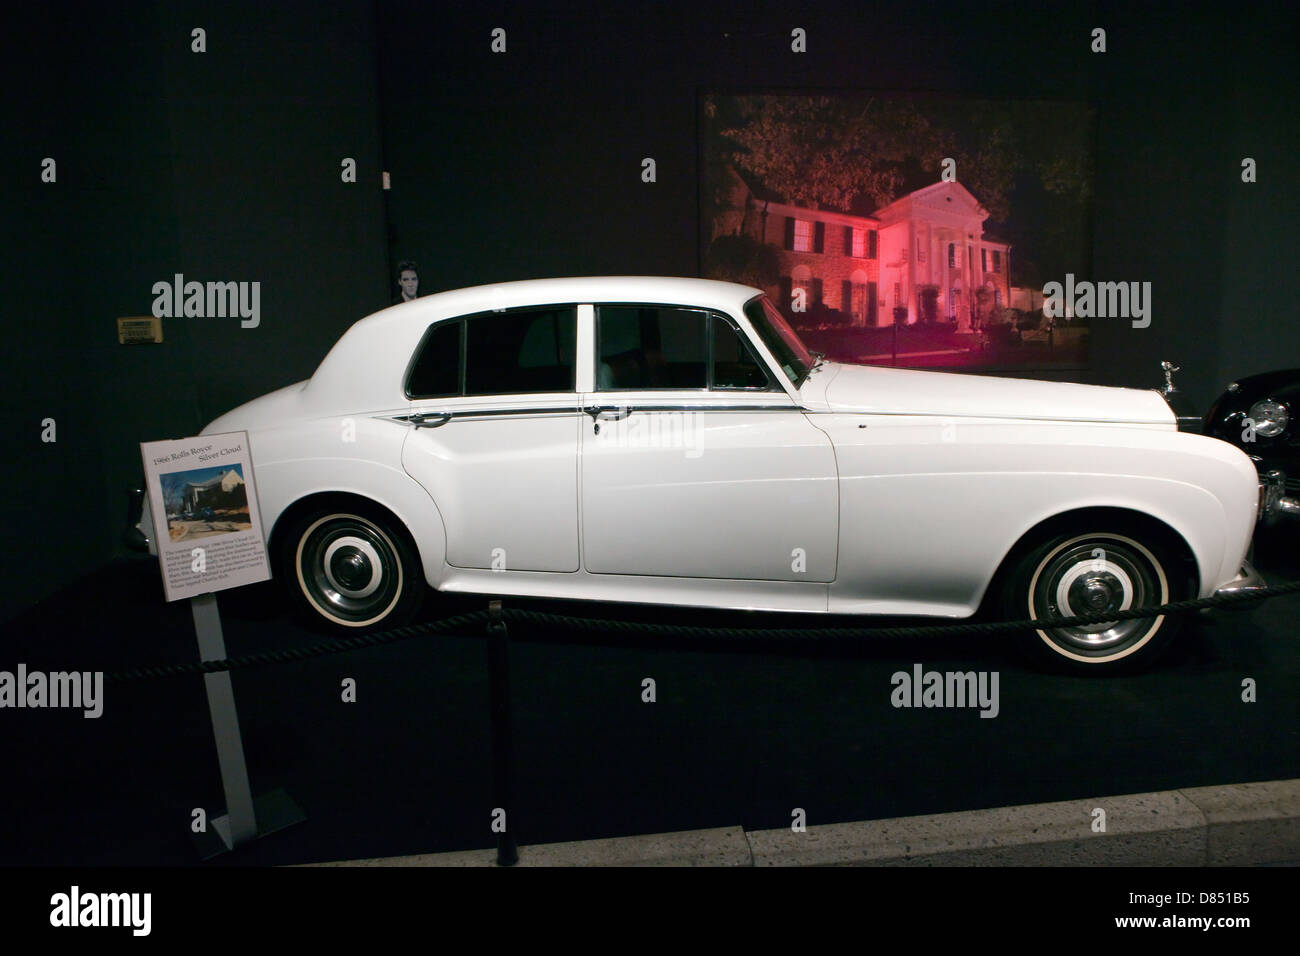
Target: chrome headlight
point(1270, 418)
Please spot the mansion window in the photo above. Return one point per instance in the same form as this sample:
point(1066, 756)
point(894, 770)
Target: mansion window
point(812, 294)
point(997, 260)
point(859, 301)
point(860, 243)
point(803, 235)
point(984, 259)
point(954, 260)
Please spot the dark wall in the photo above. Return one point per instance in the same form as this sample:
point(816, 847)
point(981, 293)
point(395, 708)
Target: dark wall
point(221, 166)
point(225, 166)
point(527, 164)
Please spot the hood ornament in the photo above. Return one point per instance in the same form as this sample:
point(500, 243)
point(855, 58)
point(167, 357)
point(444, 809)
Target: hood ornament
point(1169, 368)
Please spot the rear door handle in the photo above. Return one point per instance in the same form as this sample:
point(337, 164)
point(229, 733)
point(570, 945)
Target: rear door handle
point(430, 419)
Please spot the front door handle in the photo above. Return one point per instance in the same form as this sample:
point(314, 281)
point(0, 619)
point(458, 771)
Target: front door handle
point(430, 419)
point(607, 413)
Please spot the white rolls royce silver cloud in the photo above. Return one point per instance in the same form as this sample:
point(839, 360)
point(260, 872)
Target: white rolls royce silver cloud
point(672, 441)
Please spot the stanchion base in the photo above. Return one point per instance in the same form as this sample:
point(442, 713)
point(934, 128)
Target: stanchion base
point(275, 811)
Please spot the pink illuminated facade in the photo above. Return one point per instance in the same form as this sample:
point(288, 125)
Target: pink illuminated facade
point(926, 253)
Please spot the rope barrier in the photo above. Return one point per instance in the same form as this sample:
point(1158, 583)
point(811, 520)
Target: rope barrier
point(546, 619)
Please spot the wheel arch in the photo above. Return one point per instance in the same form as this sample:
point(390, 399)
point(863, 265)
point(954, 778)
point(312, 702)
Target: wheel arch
point(430, 553)
point(1111, 518)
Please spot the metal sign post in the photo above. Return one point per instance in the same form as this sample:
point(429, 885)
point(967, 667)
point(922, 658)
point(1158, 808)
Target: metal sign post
point(239, 825)
point(245, 819)
point(503, 774)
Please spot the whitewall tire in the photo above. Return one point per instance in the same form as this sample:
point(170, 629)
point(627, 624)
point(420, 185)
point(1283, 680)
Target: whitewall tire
point(1090, 573)
point(353, 569)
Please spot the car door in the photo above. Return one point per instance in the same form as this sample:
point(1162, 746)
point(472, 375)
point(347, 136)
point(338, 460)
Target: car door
point(494, 438)
point(695, 462)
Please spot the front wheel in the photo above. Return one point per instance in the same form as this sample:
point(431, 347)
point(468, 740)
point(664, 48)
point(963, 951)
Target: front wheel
point(353, 569)
point(1076, 574)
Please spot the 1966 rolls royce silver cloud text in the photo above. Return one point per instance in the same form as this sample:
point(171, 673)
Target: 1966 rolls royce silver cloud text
point(662, 440)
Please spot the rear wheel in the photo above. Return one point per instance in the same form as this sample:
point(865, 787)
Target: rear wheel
point(353, 568)
point(1091, 573)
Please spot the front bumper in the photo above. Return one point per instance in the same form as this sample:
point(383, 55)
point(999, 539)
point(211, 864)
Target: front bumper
point(1247, 581)
point(1274, 501)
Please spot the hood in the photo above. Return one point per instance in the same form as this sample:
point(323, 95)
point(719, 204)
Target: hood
point(899, 391)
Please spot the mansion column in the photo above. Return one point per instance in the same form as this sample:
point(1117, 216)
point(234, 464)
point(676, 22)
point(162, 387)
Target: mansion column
point(967, 286)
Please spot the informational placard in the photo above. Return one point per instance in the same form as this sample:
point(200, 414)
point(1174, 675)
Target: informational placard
point(203, 500)
point(138, 329)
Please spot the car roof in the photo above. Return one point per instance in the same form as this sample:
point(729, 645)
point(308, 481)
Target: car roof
point(667, 289)
point(375, 350)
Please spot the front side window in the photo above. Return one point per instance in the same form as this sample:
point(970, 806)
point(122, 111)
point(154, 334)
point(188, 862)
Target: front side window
point(733, 364)
point(786, 346)
point(673, 347)
point(517, 352)
point(650, 347)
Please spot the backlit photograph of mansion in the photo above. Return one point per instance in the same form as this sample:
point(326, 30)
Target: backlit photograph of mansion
point(924, 258)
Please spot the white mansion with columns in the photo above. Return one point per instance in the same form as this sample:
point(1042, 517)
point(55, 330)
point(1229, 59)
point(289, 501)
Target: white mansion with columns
point(933, 239)
point(925, 252)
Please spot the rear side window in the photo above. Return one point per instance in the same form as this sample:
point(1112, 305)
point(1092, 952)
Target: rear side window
point(497, 353)
point(436, 370)
point(507, 353)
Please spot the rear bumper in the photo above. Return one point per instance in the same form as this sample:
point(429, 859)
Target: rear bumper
point(138, 533)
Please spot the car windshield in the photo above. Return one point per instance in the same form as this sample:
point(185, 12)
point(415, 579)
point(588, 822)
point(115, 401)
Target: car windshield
point(781, 340)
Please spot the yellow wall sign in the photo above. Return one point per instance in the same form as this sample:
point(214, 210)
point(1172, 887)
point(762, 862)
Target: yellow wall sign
point(138, 329)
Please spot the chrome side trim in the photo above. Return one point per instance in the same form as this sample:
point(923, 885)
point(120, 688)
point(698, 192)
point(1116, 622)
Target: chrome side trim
point(422, 418)
point(993, 418)
point(700, 407)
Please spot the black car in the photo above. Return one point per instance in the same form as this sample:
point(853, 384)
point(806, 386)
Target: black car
point(1258, 414)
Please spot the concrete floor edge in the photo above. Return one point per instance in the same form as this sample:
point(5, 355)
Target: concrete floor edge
point(1243, 824)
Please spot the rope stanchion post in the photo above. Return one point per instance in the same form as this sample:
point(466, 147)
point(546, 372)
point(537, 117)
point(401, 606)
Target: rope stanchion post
point(503, 769)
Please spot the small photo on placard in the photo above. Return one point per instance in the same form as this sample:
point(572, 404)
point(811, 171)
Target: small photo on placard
point(203, 501)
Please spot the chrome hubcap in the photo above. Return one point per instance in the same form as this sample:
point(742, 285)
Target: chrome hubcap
point(349, 569)
point(1095, 575)
point(353, 567)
